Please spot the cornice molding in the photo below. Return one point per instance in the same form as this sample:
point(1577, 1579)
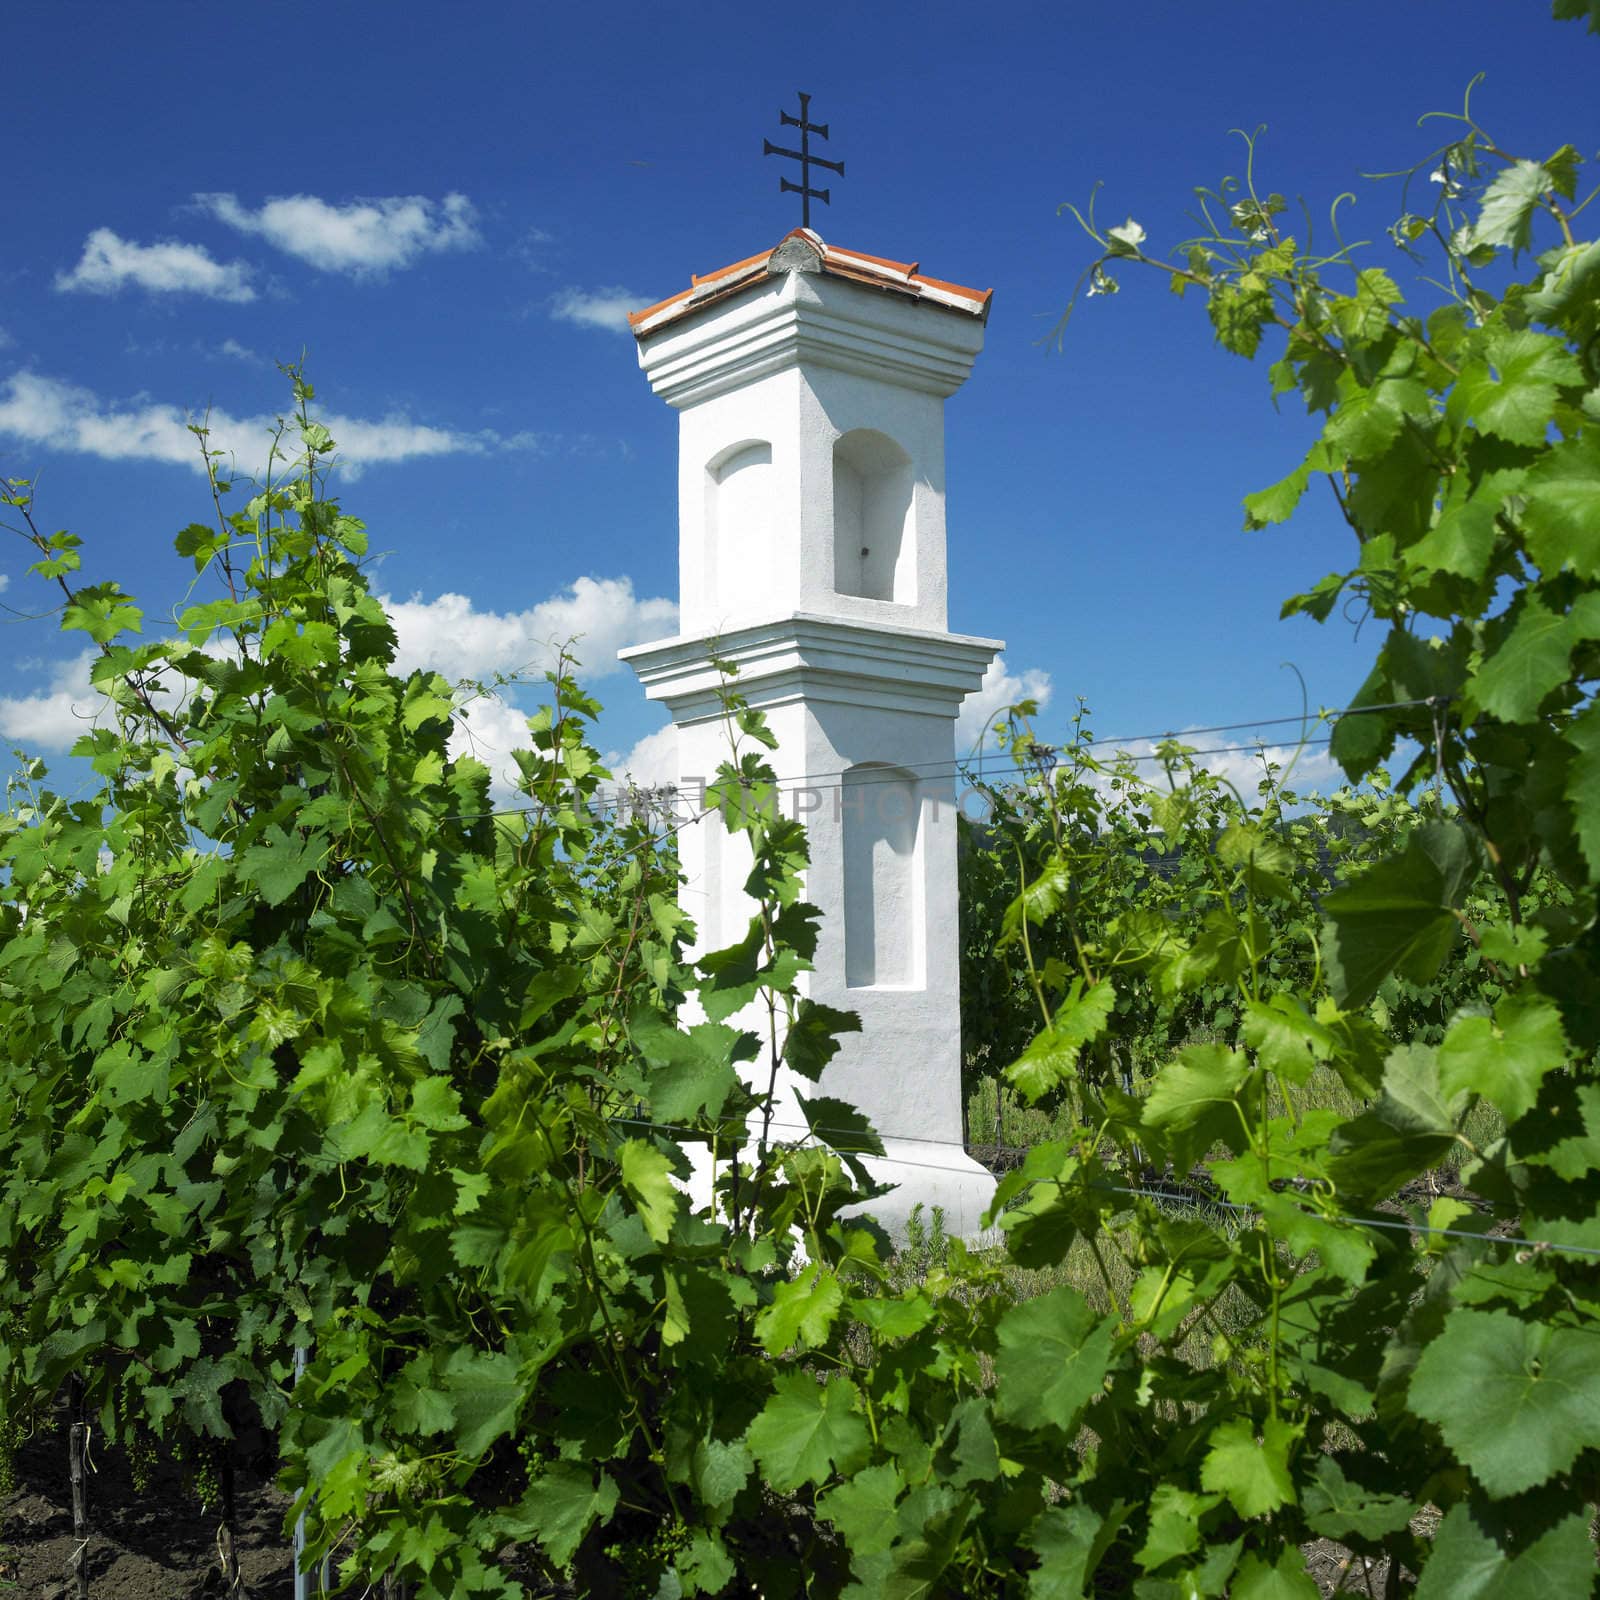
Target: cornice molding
point(795, 319)
point(811, 658)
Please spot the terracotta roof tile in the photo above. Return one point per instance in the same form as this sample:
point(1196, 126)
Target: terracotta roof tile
point(879, 272)
point(722, 272)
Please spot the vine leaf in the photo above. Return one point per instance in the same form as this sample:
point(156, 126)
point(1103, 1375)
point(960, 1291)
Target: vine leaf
point(1517, 1401)
point(561, 1505)
point(862, 1509)
point(310, 644)
point(705, 1565)
point(1039, 900)
point(929, 1525)
point(1052, 1360)
point(1563, 507)
point(1276, 503)
point(1193, 1104)
point(1283, 1579)
point(1512, 392)
point(1251, 1469)
point(1506, 1057)
point(1399, 915)
point(1369, 419)
point(690, 1070)
point(1413, 1096)
point(1529, 661)
point(102, 611)
point(731, 975)
point(1339, 1509)
point(1463, 539)
point(1051, 1059)
point(806, 1430)
point(485, 1393)
point(1583, 785)
point(970, 1453)
point(893, 1319)
point(1474, 1558)
point(803, 1309)
point(719, 1470)
point(839, 1127)
point(1070, 1542)
point(1407, 1131)
point(280, 865)
point(1048, 1207)
point(647, 1178)
point(812, 1041)
point(1361, 742)
point(1286, 1037)
point(1174, 1525)
point(1576, 11)
point(1563, 1133)
point(1509, 203)
point(416, 1403)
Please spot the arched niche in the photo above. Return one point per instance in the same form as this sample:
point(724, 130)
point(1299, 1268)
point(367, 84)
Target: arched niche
point(873, 554)
point(883, 922)
point(738, 523)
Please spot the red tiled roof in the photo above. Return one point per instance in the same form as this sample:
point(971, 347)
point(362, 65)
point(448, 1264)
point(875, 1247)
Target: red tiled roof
point(896, 277)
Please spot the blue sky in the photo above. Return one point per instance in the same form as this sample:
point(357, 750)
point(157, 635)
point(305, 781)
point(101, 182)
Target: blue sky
point(444, 207)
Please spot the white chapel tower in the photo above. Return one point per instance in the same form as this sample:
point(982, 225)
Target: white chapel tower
point(810, 384)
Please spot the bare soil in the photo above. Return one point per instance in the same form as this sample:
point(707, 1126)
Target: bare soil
point(161, 1545)
point(154, 1544)
point(158, 1543)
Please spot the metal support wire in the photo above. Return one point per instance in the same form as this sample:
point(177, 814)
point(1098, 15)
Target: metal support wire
point(1180, 1192)
point(976, 762)
point(303, 1579)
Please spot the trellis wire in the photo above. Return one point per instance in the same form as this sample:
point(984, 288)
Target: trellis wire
point(962, 766)
point(1170, 1196)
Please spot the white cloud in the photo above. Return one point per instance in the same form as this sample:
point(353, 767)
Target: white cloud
point(651, 763)
point(359, 236)
point(55, 718)
point(1315, 769)
point(6, 341)
point(596, 308)
point(489, 728)
point(1242, 766)
point(450, 635)
point(61, 416)
point(1001, 688)
point(237, 352)
point(531, 249)
point(111, 262)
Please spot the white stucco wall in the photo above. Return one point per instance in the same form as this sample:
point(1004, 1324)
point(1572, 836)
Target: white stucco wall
point(768, 383)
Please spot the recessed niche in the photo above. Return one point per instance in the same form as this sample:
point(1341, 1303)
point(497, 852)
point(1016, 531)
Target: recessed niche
point(739, 525)
point(882, 905)
point(873, 546)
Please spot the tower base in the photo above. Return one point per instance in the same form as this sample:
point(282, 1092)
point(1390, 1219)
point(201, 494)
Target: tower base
point(936, 1177)
point(933, 1176)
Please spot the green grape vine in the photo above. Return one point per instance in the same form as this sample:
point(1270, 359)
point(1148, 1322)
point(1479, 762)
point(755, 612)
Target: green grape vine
point(306, 1044)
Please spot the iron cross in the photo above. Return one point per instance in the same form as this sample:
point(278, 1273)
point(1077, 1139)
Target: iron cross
point(804, 156)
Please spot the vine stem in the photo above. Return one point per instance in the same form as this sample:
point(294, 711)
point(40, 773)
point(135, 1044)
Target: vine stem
point(227, 1540)
point(137, 684)
point(611, 1342)
point(1027, 947)
point(77, 1456)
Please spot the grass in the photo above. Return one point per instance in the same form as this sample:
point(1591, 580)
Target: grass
point(996, 1117)
point(1105, 1277)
